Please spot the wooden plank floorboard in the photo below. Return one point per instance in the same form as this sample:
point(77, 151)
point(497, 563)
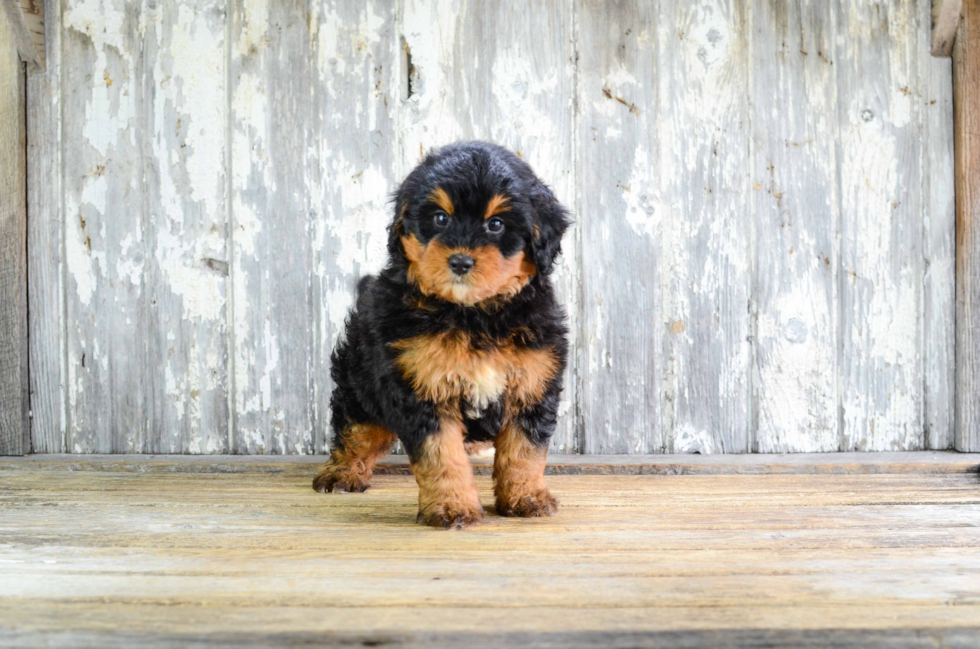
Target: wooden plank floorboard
point(122, 558)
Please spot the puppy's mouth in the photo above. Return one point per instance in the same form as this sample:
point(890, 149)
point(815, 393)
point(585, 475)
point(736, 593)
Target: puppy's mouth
point(465, 275)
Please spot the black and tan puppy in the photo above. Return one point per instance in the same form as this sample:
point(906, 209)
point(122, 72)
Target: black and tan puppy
point(458, 340)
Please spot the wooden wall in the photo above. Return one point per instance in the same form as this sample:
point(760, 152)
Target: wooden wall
point(762, 258)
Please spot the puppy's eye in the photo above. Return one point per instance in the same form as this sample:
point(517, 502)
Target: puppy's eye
point(495, 225)
point(441, 219)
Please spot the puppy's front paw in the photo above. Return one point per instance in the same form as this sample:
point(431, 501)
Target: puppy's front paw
point(450, 516)
point(331, 480)
point(541, 503)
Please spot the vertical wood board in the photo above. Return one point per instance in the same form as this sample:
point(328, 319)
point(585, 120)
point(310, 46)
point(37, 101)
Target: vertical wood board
point(966, 124)
point(793, 94)
point(706, 224)
point(938, 242)
point(45, 246)
point(879, 98)
point(271, 227)
point(184, 121)
point(14, 424)
point(620, 358)
point(104, 226)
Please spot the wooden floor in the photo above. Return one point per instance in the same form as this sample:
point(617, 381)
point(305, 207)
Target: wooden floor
point(179, 553)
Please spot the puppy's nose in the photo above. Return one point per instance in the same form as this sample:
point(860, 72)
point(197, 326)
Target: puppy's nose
point(461, 264)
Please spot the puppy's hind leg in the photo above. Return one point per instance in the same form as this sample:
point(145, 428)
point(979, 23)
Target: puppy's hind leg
point(447, 492)
point(351, 463)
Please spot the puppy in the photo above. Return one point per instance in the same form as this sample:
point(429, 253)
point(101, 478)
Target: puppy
point(459, 340)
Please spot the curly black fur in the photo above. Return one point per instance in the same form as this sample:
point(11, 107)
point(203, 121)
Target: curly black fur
point(391, 308)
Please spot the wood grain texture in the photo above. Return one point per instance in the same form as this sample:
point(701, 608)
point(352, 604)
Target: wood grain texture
point(945, 21)
point(620, 355)
point(25, 19)
point(105, 243)
point(271, 227)
point(45, 247)
point(167, 557)
point(881, 226)
point(966, 125)
point(707, 232)
point(14, 401)
point(357, 80)
point(484, 71)
point(185, 119)
point(938, 244)
point(793, 90)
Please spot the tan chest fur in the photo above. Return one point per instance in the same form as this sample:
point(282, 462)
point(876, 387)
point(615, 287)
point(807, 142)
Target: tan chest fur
point(445, 368)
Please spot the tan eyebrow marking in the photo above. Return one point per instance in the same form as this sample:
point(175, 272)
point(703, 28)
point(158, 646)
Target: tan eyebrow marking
point(441, 198)
point(497, 205)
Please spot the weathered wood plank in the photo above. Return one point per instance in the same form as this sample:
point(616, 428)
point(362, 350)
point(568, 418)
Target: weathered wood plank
point(706, 225)
point(102, 99)
point(14, 402)
point(484, 71)
point(495, 637)
point(271, 227)
point(912, 462)
point(945, 21)
point(938, 243)
point(45, 247)
point(793, 86)
point(881, 231)
point(620, 355)
point(966, 125)
point(186, 263)
point(357, 79)
point(26, 22)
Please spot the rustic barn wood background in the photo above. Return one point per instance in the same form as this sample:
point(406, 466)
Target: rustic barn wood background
point(763, 191)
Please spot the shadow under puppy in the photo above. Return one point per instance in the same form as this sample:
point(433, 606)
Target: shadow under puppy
point(458, 340)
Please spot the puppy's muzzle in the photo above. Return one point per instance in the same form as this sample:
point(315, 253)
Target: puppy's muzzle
point(461, 264)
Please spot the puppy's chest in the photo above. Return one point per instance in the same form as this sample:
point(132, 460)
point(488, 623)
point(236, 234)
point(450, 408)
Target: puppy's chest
point(448, 367)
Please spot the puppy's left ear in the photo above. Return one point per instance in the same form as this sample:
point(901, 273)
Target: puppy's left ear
point(550, 222)
point(396, 229)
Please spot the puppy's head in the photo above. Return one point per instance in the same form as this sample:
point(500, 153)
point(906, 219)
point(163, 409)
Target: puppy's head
point(472, 222)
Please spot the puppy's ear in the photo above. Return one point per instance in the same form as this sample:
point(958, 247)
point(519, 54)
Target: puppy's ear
point(396, 229)
point(550, 222)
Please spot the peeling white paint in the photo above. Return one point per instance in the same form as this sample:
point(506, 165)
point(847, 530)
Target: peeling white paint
point(362, 217)
point(80, 263)
point(642, 202)
point(255, 25)
point(102, 21)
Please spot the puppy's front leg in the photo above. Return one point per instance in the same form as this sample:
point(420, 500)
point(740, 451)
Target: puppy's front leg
point(447, 493)
point(518, 474)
